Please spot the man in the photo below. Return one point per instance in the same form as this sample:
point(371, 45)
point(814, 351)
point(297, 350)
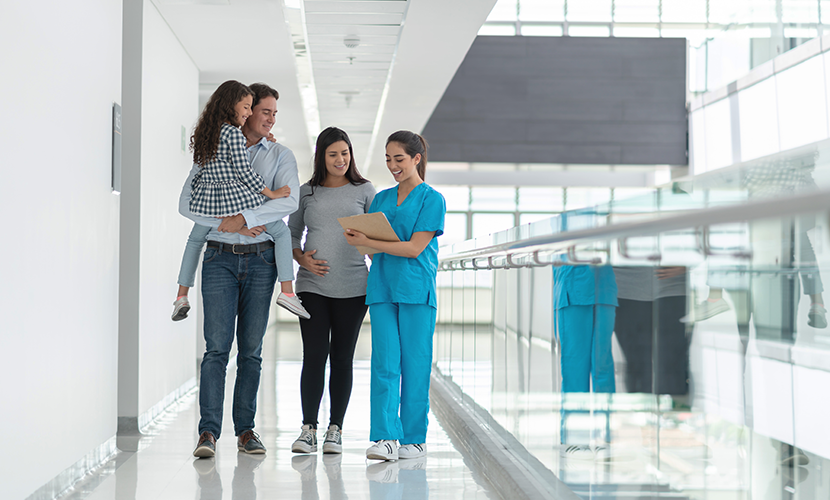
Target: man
point(238, 277)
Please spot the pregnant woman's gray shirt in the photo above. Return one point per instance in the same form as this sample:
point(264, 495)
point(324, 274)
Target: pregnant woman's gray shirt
point(319, 213)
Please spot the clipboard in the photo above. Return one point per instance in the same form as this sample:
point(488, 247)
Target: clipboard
point(374, 225)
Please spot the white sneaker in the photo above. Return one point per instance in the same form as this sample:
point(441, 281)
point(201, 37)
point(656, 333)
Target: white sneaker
point(332, 443)
point(382, 472)
point(705, 310)
point(384, 449)
point(576, 452)
point(414, 464)
point(180, 309)
point(293, 305)
point(307, 442)
point(602, 453)
point(817, 316)
point(605, 453)
point(412, 450)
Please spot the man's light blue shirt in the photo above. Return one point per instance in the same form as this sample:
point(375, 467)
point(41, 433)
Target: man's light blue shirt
point(278, 167)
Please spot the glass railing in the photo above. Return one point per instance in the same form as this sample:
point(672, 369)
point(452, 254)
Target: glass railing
point(675, 344)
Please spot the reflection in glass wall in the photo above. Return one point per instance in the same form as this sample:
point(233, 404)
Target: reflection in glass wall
point(688, 363)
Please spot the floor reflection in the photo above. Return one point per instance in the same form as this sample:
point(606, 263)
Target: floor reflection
point(400, 480)
point(700, 446)
point(161, 467)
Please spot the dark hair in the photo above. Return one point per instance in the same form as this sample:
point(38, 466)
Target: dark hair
point(261, 91)
point(326, 138)
point(413, 144)
point(219, 109)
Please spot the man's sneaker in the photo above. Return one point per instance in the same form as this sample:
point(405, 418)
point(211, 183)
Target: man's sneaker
point(205, 468)
point(817, 316)
point(293, 304)
point(307, 442)
point(248, 463)
point(249, 442)
point(332, 442)
point(384, 449)
point(206, 446)
point(705, 310)
point(412, 450)
point(180, 309)
point(576, 452)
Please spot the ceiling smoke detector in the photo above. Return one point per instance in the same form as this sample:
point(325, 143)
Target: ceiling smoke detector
point(351, 41)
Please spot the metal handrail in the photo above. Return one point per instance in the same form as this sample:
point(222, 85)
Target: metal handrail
point(818, 201)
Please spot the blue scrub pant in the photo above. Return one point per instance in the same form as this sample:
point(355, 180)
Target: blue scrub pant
point(585, 335)
point(401, 364)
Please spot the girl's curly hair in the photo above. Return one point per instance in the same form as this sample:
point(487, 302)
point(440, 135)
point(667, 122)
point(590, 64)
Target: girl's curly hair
point(219, 109)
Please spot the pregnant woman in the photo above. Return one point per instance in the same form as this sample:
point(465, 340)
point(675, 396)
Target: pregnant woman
point(331, 283)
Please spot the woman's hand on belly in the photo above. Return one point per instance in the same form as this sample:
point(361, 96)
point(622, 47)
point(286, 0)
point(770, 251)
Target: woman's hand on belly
point(306, 260)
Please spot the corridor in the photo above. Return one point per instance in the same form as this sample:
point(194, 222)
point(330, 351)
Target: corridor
point(163, 467)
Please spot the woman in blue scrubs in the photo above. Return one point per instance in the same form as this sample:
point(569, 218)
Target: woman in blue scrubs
point(402, 303)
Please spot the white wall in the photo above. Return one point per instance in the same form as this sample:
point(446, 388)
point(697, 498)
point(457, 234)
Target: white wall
point(785, 106)
point(170, 101)
point(61, 72)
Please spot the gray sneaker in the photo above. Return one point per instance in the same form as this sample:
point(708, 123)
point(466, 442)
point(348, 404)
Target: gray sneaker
point(332, 443)
point(307, 442)
point(817, 317)
point(705, 310)
point(249, 442)
point(292, 304)
point(206, 447)
point(180, 309)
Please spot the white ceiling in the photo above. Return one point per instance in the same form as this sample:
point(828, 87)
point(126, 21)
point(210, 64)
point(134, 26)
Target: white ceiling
point(408, 52)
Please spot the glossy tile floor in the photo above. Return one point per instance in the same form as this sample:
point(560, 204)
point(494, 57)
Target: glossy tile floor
point(163, 467)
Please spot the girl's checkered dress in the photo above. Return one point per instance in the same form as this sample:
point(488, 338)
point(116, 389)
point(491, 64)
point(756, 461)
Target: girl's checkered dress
point(226, 185)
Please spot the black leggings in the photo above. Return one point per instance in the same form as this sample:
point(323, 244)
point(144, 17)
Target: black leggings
point(331, 332)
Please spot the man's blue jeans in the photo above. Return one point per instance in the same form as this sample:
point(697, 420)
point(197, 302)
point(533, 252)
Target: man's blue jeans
point(235, 289)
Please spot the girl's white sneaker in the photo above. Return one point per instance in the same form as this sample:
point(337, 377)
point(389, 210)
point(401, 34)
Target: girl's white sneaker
point(412, 450)
point(384, 449)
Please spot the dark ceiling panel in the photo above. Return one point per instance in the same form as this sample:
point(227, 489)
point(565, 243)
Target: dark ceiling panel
point(565, 100)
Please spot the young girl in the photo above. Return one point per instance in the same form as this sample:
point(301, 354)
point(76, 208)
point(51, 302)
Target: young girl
point(225, 186)
point(402, 303)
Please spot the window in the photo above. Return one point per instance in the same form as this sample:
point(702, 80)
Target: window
point(591, 11)
point(457, 197)
point(684, 11)
point(636, 11)
point(540, 199)
point(542, 30)
point(542, 10)
point(504, 10)
point(455, 229)
point(493, 199)
point(484, 224)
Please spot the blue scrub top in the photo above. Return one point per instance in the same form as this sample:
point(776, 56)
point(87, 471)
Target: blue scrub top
point(401, 279)
point(583, 286)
